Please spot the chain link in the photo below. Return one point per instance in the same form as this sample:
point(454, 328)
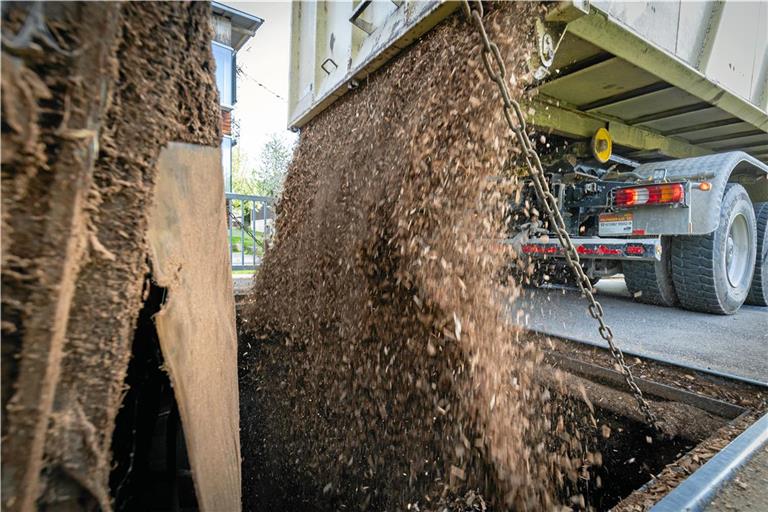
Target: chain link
point(490, 54)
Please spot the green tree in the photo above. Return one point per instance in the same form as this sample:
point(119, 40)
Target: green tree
point(244, 179)
point(266, 177)
point(273, 164)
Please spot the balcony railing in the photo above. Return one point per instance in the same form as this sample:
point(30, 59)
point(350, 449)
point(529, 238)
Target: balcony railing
point(250, 225)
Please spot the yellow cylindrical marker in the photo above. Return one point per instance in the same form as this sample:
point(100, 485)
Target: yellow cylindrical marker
point(602, 145)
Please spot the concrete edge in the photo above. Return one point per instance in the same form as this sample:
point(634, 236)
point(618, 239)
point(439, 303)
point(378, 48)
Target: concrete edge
point(658, 359)
point(698, 490)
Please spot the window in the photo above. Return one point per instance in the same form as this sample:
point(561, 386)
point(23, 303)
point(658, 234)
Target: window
point(226, 162)
point(225, 73)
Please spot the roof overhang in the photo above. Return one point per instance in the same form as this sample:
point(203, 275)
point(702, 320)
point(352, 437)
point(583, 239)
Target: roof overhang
point(244, 25)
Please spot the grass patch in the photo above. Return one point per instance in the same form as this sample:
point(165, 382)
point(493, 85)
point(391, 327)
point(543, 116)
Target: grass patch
point(251, 246)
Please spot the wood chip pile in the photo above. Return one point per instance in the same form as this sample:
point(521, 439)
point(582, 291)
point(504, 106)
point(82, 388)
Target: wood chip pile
point(378, 369)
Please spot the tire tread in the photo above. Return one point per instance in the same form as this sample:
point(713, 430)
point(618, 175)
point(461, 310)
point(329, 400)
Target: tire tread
point(693, 266)
point(646, 286)
point(758, 294)
point(692, 271)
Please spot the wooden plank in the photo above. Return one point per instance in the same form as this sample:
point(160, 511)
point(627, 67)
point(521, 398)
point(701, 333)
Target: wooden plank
point(196, 325)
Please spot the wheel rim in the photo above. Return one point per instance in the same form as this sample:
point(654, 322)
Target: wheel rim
point(737, 251)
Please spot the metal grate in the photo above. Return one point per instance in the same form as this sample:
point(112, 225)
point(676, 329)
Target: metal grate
point(250, 226)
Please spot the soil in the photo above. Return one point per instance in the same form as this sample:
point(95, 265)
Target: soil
point(675, 472)
point(91, 93)
point(623, 456)
point(752, 398)
point(630, 452)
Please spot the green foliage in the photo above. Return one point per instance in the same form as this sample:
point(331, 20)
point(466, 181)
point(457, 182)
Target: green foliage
point(266, 176)
point(273, 164)
point(247, 242)
point(243, 179)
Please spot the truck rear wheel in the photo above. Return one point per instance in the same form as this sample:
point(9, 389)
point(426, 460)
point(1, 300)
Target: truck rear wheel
point(713, 273)
point(758, 292)
point(650, 282)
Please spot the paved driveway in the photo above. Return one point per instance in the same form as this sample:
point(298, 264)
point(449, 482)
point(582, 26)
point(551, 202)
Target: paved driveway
point(736, 344)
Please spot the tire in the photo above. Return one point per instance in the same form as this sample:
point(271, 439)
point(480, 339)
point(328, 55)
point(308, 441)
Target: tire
point(650, 282)
point(758, 292)
point(712, 273)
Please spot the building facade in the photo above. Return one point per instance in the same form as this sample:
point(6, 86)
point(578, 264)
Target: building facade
point(232, 29)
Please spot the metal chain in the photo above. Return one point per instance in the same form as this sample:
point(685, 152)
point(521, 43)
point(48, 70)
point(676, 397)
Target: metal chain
point(233, 218)
point(491, 56)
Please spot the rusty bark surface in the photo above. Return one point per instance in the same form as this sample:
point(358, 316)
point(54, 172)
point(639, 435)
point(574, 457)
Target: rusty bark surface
point(91, 94)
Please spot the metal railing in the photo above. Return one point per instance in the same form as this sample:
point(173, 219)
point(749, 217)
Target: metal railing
point(250, 225)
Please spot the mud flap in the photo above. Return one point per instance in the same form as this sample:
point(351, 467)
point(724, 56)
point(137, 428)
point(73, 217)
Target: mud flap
point(196, 325)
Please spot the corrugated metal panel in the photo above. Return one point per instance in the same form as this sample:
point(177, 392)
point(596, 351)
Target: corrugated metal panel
point(747, 141)
point(681, 121)
point(722, 131)
point(649, 105)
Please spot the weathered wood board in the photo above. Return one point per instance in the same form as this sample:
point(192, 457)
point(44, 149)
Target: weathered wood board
point(196, 325)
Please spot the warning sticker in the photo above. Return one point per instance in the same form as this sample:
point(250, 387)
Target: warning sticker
point(615, 224)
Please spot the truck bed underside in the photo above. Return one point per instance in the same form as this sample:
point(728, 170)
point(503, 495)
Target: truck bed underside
point(654, 107)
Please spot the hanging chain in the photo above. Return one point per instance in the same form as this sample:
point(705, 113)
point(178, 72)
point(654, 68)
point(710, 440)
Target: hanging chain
point(494, 67)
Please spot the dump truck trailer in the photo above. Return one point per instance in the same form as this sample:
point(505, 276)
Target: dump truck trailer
point(651, 121)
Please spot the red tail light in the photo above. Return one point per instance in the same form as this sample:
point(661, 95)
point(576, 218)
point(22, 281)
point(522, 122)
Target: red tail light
point(540, 249)
point(666, 193)
point(586, 249)
point(600, 250)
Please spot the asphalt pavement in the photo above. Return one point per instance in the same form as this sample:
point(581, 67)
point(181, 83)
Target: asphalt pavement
point(735, 345)
point(242, 284)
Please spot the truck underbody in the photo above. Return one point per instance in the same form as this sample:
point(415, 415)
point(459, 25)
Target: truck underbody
point(642, 155)
point(630, 218)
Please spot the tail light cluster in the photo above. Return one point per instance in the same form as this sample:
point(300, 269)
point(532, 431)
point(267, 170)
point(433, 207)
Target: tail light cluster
point(665, 193)
point(590, 249)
